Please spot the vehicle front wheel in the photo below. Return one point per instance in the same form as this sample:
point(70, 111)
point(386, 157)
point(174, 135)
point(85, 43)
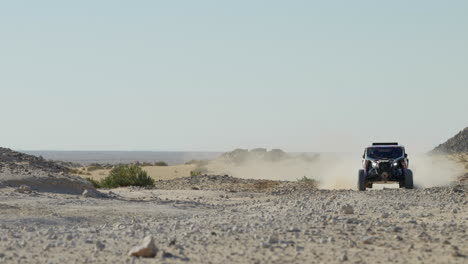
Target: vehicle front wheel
point(361, 181)
point(409, 179)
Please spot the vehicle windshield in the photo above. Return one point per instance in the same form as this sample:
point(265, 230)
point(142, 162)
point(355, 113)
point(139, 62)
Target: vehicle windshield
point(384, 153)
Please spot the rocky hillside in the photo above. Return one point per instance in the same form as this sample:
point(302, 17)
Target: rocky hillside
point(456, 144)
point(29, 173)
point(14, 160)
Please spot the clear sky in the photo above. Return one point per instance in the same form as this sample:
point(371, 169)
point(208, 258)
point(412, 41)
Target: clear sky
point(217, 75)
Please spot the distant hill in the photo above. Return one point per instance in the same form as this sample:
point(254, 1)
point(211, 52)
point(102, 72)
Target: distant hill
point(16, 160)
point(456, 144)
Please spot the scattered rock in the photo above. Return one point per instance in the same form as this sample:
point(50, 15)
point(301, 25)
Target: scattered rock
point(23, 189)
point(146, 249)
point(86, 193)
point(344, 256)
point(368, 240)
point(99, 246)
point(91, 193)
point(347, 209)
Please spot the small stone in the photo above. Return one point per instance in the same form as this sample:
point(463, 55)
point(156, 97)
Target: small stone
point(23, 189)
point(273, 239)
point(368, 240)
point(167, 255)
point(344, 256)
point(146, 249)
point(48, 246)
point(457, 189)
point(457, 254)
point(99, 246)
point(87, 193)
point(347, 209)
point(385, 215)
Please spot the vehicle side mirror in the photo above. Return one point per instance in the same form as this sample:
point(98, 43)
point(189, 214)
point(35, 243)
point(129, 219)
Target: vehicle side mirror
point(406, 155)
point(363, 156)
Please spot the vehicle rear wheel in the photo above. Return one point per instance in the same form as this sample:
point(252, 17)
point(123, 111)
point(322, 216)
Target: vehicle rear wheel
point(409, 179)
point(361, 181)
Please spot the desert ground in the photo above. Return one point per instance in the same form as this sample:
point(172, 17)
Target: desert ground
point(155, 172)
point(219, 218)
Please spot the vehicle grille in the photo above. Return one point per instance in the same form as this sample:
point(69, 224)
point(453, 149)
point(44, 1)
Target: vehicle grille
point(384, 166)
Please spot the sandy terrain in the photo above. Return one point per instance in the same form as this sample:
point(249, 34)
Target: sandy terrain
point(156, 172)
point(48, 216)
point(214, 226)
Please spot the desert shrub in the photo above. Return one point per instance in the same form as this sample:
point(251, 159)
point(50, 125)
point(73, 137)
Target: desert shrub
point(160, 163)
point(199, 171)
point(195, 173)
point(94, 182)
point(307, 181)
point(126, 175)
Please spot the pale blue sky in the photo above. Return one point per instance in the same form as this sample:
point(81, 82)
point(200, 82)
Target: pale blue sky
point(217, 75)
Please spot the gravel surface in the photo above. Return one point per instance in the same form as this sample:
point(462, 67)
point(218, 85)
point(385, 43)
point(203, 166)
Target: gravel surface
point(232, 184)
point(216, 226)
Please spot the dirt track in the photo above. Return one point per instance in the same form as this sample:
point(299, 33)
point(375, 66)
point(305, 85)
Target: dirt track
point(202, 226)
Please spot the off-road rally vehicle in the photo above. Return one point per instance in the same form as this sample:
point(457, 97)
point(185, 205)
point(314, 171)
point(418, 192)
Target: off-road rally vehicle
point(385, 163)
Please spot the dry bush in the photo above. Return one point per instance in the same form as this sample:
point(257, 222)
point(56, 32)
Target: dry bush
point(264, 184)
point(160, 163)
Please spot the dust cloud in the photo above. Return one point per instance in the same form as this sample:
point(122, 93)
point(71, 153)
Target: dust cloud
point(434, 170)
point(331, 170)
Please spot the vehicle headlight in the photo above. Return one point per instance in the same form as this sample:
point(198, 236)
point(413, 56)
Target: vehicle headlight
point(395, 164)
point(374, 164)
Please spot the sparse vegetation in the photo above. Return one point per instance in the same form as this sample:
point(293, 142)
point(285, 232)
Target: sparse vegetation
point(93, 182)
point(265, 184)
point(199, 171)
point(94, 166)
point(160, 163)
point(145, 164)
point(124, 175)
point(307, 181)
point(195, 173)
point(78, 171)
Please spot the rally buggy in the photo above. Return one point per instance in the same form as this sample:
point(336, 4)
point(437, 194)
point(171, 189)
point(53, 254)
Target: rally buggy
point(385, 163)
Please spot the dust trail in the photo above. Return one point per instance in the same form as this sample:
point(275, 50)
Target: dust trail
point(334, 171)
point(340, 172)
point(431, 171)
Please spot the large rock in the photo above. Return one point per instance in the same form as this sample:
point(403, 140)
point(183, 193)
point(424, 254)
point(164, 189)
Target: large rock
point(146, 249)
